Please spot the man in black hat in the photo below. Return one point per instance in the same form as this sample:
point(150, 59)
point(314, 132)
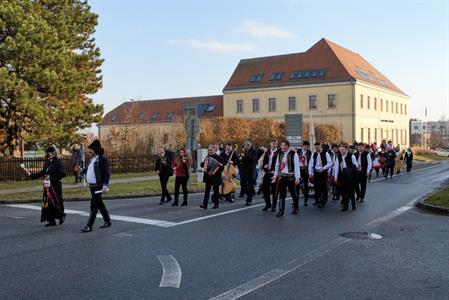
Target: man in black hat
point(97, 176)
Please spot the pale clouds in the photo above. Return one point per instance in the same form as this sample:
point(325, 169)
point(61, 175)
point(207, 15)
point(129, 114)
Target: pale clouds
point(213, 45)
point(260, 30)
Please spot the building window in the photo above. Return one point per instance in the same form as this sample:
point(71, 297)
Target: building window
point(397, 136)
point(361, 134)
point(382, 134)
point(210, 108)
point(165, 138)
point(256, 78)
point(291, 103)
point(170, 116)
point(331, 101)
point(369, 135)
point(239, 106)
point(381, 104)
point(375, 103)
point(405, 109)
point(386, 106)
point(401, 109)
point(154, 116)
point(312, 102)
point(271, 104)
point(368, 104)
point(397, 111)
point(415, 127)
point(361, 101)
point(277, 76)
point(392, 107)
point(255, 105)
point(375, 135)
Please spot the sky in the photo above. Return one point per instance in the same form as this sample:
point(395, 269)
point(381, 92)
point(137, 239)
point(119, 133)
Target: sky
point(167, 49)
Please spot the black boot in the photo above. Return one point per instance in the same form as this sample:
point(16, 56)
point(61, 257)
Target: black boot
point(280, 213)
point(106, 225)
point(295, 211)
point(184, 203)
point(86, 229)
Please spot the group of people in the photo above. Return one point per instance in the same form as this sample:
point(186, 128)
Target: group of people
point(340, 170)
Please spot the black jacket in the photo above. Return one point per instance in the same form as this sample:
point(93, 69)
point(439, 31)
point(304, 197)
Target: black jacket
point(270, 168)
point(52, 167)
point(248, 165)
point(101, 169)
point(225, 158)
point(408, 158)
point(164, 166)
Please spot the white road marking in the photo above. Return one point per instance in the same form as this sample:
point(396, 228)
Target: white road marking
point(171, 271)
point(159, 223)
point(297, 263)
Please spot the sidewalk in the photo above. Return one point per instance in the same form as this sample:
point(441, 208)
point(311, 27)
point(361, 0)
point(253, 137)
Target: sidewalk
point(79, 186)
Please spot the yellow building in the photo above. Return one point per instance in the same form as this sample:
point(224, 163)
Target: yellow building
point(331, 83)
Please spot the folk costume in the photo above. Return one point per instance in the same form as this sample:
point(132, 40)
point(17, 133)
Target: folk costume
point(343, 171)
point(364, 165)
point(269, 188)
point(319, 165)
point(164, 168)
point(408, 157)
point(247, 167)
point(212, 167)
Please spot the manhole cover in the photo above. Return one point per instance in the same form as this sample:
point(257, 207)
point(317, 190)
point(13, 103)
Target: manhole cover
point(361, 235)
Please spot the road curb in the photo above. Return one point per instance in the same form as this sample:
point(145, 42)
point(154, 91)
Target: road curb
point(433, 208)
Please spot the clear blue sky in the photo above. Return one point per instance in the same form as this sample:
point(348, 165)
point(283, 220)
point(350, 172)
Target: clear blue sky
point(164, 49)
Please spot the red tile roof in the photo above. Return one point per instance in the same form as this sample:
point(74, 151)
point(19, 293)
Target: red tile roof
point(339, 63)
point(134, 112)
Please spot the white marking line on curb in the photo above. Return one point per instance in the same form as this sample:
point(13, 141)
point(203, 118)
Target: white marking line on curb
point(295, 264)
point(171, 271)
point(159, 223)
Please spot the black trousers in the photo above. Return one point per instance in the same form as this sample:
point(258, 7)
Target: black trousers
point(269, 191)
point(165, 193)
point(320, 187)
point(361, 181)
point(409, 166)
point(215, 195)
point(248, 189)
point(96, 203)
point(346, 190)
point(389, 169)
point(181, 182)
point(284, 184)
point(304, 186)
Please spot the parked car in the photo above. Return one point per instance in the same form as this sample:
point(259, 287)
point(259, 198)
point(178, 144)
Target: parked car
point(442, 152)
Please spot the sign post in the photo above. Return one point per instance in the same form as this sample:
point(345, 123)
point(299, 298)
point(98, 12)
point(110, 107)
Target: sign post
point(293, 129)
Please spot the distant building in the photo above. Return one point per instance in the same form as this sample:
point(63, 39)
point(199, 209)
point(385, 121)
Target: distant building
point(421, 132)
point(331, 83)
point(158, 122)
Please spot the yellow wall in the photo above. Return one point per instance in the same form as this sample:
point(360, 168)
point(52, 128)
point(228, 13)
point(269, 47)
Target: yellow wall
point(341, 116)
point(347, 115)
point(386, 122)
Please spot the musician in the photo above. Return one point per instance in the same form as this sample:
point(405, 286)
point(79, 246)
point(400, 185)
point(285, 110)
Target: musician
point(343, 170)
point(364, 165)
point(334, 155)
point(97, 176)
point(390, 157)
point(248, 163)
point(163, 168)
point(181, 167)
point(212, 167)
point(229, 157)
point(269, 166)
point(52, 202)
point(287, 175)
point(304, 159)
point(320, 163)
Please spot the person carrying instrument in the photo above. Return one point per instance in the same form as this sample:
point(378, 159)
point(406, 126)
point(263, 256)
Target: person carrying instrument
point(212, 167)
point(229, 174)
point(269, 166)
point(181, 166)
point(248, 163)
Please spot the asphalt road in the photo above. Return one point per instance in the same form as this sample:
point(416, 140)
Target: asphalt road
point(162, 252)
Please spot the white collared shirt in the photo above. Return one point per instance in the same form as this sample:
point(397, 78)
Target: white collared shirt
point(90, 174)
point(318, 165)
point(297, 172)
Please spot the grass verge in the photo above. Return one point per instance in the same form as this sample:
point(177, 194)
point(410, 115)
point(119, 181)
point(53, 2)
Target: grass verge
point(440, 198)
point(428, 157)
point(117, 189)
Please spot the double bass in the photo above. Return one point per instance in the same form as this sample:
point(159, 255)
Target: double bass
point(229, 174)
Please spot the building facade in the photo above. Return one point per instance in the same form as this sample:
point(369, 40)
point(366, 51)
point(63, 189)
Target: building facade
point(327, 82)
point(426, 133)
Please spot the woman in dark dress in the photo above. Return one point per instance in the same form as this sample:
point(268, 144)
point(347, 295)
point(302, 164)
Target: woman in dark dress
point(52, 202)
point(163, 168)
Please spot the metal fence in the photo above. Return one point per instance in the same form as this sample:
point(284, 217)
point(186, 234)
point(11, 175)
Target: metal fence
point(10, 168)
